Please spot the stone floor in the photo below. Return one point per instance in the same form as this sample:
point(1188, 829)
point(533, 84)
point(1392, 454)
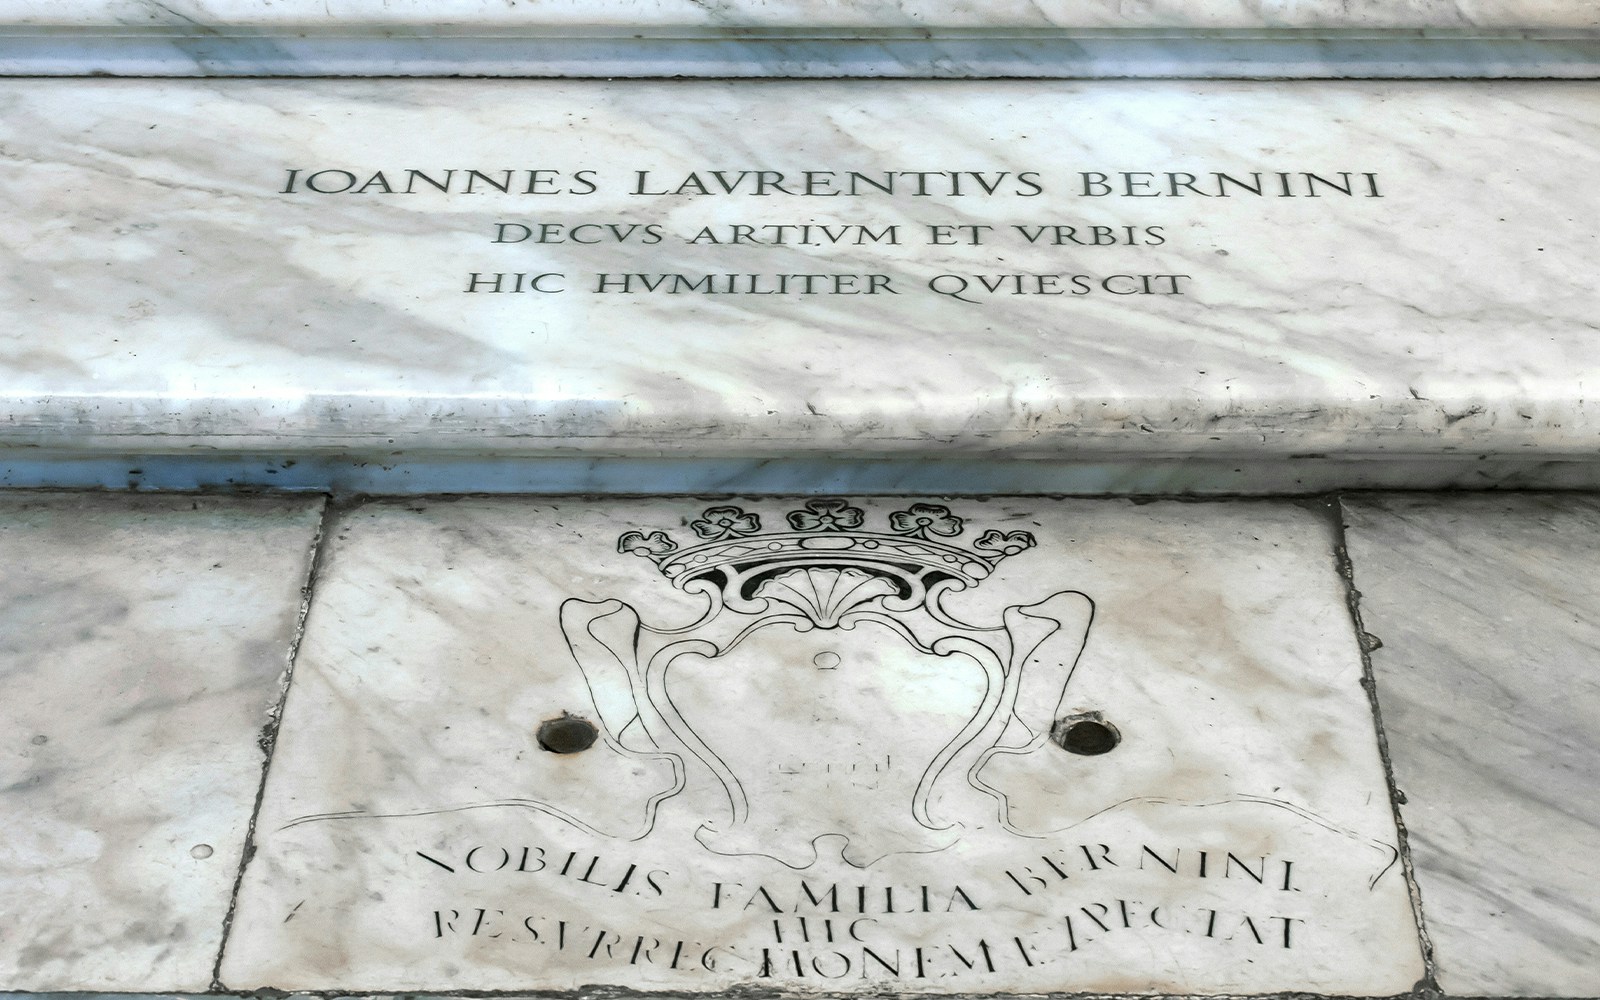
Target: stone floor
point(1341, 745)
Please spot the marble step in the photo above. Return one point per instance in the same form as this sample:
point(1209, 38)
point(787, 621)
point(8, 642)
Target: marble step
point(922, 38)
point(921, 745)
point(939, 286)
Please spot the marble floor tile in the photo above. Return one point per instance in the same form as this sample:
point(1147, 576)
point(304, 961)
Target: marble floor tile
point(1489, 687)
point(142, 644)
point(993, 746)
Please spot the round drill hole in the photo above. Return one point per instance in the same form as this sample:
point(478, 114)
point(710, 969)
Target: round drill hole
point(201, 851)
point(1086, 736)
point(568, 734)
point(826, 660)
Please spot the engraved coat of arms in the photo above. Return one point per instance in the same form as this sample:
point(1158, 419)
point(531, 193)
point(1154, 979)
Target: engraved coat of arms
point(840, 706)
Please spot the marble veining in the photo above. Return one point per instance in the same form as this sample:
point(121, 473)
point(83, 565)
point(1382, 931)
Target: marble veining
point(908, 52)
point(826, 744)
point(164, 293)
point(802, 14)
point(1489, 693)
point(143, 642)
point(865, 38)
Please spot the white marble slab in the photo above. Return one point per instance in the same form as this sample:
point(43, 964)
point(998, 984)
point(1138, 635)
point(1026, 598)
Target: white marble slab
point(165, 295)
point(807, 749)
point(144, 644)
point(666, 38)
point(1409, 14)
point(1489, 694)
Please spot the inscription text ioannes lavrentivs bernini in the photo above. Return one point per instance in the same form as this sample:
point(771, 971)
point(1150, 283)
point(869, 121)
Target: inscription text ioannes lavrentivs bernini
point(836, 183)
point(1045, 230)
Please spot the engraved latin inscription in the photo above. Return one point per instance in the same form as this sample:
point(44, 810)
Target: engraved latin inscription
point(847, 768)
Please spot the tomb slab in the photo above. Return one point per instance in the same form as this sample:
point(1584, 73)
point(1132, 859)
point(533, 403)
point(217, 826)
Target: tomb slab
point(1002, 746)
point(392, 272)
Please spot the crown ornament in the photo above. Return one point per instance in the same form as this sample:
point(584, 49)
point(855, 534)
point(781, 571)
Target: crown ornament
point(828, 561)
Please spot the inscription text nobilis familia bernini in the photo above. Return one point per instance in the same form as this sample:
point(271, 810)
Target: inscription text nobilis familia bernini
point(835, 743)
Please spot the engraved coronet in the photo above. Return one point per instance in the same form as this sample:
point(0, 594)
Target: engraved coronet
point(916, 552)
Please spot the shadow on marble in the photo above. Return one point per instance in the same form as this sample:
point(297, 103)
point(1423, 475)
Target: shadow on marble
point(1489, 687)
point(142, 645)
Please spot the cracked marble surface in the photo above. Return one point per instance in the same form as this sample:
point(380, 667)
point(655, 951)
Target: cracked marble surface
point(1489, 690)
point(142, 644)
